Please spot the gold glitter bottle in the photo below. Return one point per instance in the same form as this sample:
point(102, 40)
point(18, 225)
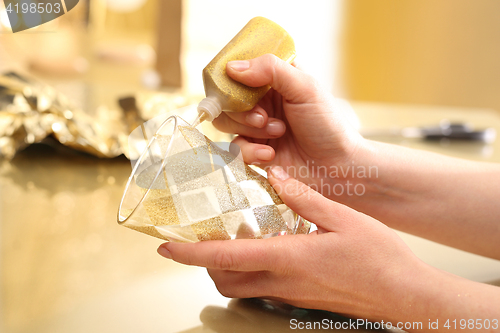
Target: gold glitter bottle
point(260, 36)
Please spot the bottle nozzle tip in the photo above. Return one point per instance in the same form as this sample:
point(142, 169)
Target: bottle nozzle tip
point(210, 107)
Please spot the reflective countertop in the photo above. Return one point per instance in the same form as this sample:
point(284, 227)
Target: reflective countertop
point(66, 265)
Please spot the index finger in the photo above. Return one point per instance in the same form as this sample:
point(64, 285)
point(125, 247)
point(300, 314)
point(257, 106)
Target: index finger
point(244, 255)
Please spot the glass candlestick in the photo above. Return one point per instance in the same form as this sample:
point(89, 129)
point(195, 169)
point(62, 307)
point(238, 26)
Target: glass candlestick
point(186, 188)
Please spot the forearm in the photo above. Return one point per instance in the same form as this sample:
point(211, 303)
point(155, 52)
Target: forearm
point(448, 200)
point(447, 303)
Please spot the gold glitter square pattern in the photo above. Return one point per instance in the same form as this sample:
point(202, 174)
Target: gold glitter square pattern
point(270, 220)
point(205, 193)
point(210, 229)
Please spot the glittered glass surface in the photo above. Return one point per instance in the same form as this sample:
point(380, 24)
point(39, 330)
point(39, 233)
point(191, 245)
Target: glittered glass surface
point(205, 193)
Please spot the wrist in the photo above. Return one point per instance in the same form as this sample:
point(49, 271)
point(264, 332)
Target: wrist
point(431, 296)
point(412, 296)
point(379, 173)
point(355, 176)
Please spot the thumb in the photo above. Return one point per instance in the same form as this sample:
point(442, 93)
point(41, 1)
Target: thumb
point(293, 84)
point(308, 203)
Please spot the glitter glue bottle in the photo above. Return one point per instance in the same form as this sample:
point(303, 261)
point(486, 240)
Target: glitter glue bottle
point(260, 36)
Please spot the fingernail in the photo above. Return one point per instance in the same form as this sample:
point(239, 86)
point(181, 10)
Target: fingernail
point(279, 173)
point(239, 65)
point(275, 128)
point(264, 154)
point(255, 119)
point(164, 252)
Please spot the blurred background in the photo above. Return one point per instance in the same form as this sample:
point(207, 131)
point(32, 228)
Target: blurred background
point(425, 52)
point(66, 266)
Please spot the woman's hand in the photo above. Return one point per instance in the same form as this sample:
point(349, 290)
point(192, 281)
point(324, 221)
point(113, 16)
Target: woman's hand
point(296, 125)
point(301, 128)
point(352, 265)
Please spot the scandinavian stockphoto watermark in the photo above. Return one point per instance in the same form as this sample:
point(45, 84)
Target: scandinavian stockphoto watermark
point(26, 14)
point(334, 180)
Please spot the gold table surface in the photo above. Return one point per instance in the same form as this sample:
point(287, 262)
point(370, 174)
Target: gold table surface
point(66, 265)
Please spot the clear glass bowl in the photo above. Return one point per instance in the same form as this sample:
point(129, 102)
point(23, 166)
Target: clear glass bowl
point(186, 188)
